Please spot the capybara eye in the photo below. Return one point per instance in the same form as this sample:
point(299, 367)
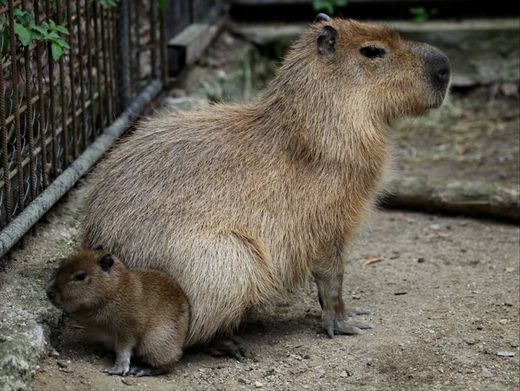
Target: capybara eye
point(372, 52)
point(80, 276)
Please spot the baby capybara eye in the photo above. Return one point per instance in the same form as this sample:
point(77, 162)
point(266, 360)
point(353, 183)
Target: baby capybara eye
point(79, 276)
point(372, 51)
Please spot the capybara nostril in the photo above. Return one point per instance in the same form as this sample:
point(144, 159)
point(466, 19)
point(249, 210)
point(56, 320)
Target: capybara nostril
point(438, 67)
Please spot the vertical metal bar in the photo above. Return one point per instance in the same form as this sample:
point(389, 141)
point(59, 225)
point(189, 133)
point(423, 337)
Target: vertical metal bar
point(99, 70)
point(72, 79)
point(29, 130)
point(52, 108)
point(41, 103)
point(106, 70)
point(163, 48)
point(5, 146)
point(29, 123)
point(112, 58)
point(81, 75)
point(123, 52)
point(90, 65)
point(139, 47)
point(153, 38)
point(16, 85)
point(63, 101)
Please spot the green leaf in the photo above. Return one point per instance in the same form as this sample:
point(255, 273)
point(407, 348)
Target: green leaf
point(341, 3)
point(61, 29)
point(24, 35)
point(56, 50)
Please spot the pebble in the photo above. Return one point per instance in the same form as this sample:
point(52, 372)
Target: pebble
point(503, 321)
point(435, 227)
point(486, 372)
point(504, 353)
point(258, 384)
point(243, 381)
point(421, 260)
point(62, 364)
point(127, 382)
point(400, 293)
point(54, 353)
point(345, 374)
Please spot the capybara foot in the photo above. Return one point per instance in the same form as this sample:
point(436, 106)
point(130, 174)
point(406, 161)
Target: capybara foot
point(139, 371)
point(231, 347)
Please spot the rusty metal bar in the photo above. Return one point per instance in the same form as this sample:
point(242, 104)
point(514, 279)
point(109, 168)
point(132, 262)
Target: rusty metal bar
point(98, 63)
point(52, 108)
point(89, 67)
point(123, 52)
point(72, 80)
point(41, 106)
point(42, 204)
point(16, 82)
point(81, 74)
point(5, 147)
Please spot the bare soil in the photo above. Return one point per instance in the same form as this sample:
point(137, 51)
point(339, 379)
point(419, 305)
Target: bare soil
point(474, 136)
point(444, 298)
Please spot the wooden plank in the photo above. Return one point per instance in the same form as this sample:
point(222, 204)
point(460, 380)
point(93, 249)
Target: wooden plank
point(194, 40)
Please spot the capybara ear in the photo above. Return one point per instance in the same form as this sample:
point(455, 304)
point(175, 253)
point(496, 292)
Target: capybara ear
point(106, 261)
point(321, 17)
point(98, 247)
point(327, 41)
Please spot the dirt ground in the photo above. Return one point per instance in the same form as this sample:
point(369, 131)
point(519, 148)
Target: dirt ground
point(444, 298)
point(474, 136)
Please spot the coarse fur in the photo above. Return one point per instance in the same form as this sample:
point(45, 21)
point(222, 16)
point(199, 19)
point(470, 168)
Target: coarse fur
point(244, 202)
point(139, 312)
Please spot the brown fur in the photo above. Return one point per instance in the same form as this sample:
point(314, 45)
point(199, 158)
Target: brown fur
point(141, 311)
point(243, 202)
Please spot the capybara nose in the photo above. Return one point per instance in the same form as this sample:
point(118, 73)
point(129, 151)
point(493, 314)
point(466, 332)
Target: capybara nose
point(438, 67)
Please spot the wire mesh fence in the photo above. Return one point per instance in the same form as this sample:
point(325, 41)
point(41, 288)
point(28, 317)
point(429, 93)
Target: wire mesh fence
point(67, 70)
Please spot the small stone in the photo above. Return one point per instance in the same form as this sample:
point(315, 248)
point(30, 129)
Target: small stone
point(421, 260)
point(243, 381)
point(62, 364)
point(356, 297)
point(486, 372)
point(471, 341)
point(258, 384)
point(345, 374)
point(127, 382)
point(400, 293)
point(503, 321)
point(435, 227)
point(54, 353)
point(504, 353)
point(306, 357)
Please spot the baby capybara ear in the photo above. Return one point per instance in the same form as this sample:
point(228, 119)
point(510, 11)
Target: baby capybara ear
point(321, 17)
point(106, 261)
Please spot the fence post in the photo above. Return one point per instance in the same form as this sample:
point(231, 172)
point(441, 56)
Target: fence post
point(123, 55)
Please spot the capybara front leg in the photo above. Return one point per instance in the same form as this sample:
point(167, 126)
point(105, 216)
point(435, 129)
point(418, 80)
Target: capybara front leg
point(335, 318)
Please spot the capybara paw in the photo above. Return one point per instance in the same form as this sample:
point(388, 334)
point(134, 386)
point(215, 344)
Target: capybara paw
point(335, 326)
point(231, 347)
point(139, 371)
point(118, 369)
point(355, 311)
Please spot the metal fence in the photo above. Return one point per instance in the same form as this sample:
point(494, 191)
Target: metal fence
point(67, 70)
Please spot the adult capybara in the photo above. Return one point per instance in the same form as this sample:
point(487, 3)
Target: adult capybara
point(243, 202)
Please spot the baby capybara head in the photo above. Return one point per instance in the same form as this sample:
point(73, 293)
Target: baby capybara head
point(369, 67)
point(84, 281)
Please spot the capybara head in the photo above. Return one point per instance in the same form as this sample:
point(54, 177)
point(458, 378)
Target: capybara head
point(84, 281)
point(370, 68)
